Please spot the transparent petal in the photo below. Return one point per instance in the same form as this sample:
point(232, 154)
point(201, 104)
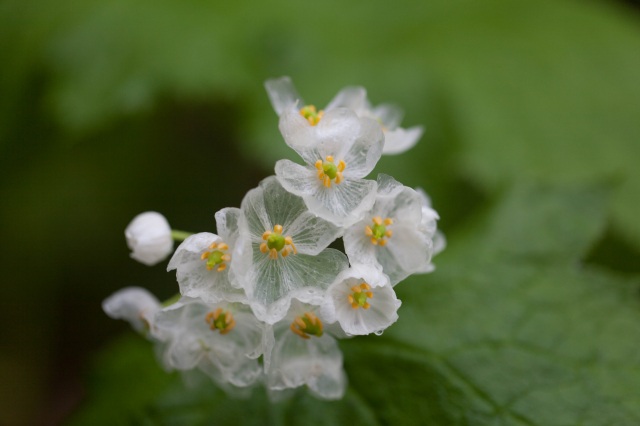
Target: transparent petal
point(333, 135)
point(296, 130)
point(297, 179)
point(316, 362)
point(405, 253)
point(366, 150)
point(352, 97)
point(194, 279)
point(357, 245)
point(398, 202)
point(312, 234)
point(400, 140)
point(227, 222)
point(272, 283)
point(388, 115)
point(282, 93)
point(343, 203)
point(133, 304)
point(380, 315)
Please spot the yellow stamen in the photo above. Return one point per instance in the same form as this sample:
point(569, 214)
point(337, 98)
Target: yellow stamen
point(204, 255)
point(341, 166)
point(264, 248)
point(213, 245)
point(367, 231)
point(388, 233)
point(377, 220)
point(329, 158)
point(388, 221)
point(319, 165)
point(273, 253)
point(277, 229)
point(327, 181)
point(266, 235)
point(222, 267)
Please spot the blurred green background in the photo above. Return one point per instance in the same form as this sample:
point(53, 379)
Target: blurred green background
point(531, 152)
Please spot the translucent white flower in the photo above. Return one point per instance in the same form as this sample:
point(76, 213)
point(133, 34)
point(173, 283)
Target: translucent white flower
point(397, 139)
point(362, 301)
point(300, 352)
point(284, 96)
point(429, 227)
point(283, 251)
point(339, 151)
point(149, 238)
point(204, 262)
point(391, 235)
point(222, 340)
point(133, 304)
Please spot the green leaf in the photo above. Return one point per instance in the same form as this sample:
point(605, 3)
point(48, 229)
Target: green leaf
point(501, 333)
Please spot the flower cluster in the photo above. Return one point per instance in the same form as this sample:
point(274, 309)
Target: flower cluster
point(264, 299)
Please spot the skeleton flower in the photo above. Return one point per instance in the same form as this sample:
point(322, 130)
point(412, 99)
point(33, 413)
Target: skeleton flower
point(339, 151)
point(362, 301)
point(204, 262)
point(283, 96)
point(391, 235)
point(222, 340)
point(300, 352)
point(283, 251)
point(133, 304)
point(149, 238)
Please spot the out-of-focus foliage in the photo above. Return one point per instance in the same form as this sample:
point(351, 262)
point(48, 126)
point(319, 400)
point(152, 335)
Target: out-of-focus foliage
point(110, 108)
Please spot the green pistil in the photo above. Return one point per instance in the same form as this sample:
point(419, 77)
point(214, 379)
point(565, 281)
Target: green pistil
point(215, 258)
point(312, 328)
point(360, 298)
point(330, 169)
point(275, 241)
point(311, 114)
point(221, 322)
point(378, 231)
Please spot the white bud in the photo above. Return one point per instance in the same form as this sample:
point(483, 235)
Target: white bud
point(149, 238)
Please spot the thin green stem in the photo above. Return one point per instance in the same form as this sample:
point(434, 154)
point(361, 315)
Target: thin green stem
point(180, 235)
point(170, 301)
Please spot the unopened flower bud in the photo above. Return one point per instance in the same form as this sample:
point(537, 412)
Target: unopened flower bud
point(149, 238)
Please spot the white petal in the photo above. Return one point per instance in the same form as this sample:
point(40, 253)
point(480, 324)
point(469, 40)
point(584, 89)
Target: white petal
point(400, 140)
point(316, 362)
point(268, 205)
point(345, 203)
point(357, 245)
point(272, 283)
point(358, 321)
point(364, 153)
point(282, 93)
point(333, 135)
point(311, 234)
point(389, 115)
point(133, 304)
point(297, 179)
point(149, 238)
point(405, 253)
point(194, 279)
point(398, 202)
point(227, 221)
point(353, 97)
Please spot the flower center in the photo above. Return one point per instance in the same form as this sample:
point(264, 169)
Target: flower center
point(379, 231)
point(217, 256)
point(328, 171)
point(359, 295)
point(306, 325)
point(220, 320)
point(277, 243)
point(312, 115)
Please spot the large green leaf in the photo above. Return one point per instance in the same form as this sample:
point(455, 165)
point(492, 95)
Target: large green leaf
point(511, 329)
